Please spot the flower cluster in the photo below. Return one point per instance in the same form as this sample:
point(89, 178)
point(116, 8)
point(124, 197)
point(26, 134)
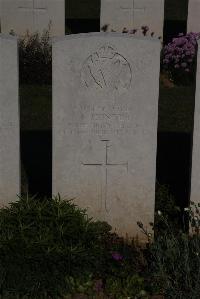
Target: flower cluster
point(117, 256)
point(180, 54)
point(144, 30)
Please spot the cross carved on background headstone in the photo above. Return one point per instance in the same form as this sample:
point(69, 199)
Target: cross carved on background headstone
point(133, 9)
point(35, 9)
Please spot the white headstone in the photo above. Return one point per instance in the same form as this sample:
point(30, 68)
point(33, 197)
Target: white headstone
point(0, 15)
point(195, 181)
point(132, 14)
point(105, 108)
point(9, 121)
point(193, 24)
point(33, 15)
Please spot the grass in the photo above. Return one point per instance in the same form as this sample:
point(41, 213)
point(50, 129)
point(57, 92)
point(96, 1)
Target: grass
point(176, 109)
point(35, 107)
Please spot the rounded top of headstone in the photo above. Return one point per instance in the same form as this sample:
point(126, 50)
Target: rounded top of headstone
point(106, 35)
point(8, 36)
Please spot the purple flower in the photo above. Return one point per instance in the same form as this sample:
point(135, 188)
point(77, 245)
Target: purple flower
point(117, 256)
point(184, 64)
point(133, 31)
point(98, 286)
point(166, 61)
point(179, 41)
point(177, 66)
point(181, 52)
point(145, 29)
point(188, 53)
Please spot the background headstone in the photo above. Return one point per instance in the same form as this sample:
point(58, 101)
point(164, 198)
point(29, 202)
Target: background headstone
point(0, 15)
point(33, 15)
point(176, 10)
point(105, 102)
point(82, 9)
point(82, 16)
point(195, 180)
point(132, 14)
point(9, 121)
point(193, 24)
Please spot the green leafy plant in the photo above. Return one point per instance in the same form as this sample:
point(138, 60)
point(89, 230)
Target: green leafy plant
point(83, 285)
point(51, 249)
point(130, 287)
point(45, 243)
point(174, 258)
point(123, 274)
point(35, 58)
point(123, 258)
point(165, 204)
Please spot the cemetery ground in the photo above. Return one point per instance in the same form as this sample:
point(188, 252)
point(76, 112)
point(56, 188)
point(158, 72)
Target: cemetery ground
point(51, 249)
point(126, 270)
point(101, 147)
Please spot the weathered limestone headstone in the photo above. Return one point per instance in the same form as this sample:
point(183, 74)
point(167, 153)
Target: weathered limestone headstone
point(9, 121)
point(105, 102)
point(132, 14)
point(193, 24)
point(195, 180)
point(0, 16)
point(33, 15)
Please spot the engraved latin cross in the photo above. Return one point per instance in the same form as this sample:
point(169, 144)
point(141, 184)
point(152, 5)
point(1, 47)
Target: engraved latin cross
point(133, 9)
point(106, 165)
point(34, 7)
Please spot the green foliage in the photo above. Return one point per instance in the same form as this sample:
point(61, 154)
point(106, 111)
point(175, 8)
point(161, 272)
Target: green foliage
point(123, 274)
point(50, 249)
point(35, 107)
point(82, 285)
point(176, 109)
point(45, 243)
point(123, 259)
point(130, 287)
point(166, 205)
point(175, 259)
point(35, 59)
